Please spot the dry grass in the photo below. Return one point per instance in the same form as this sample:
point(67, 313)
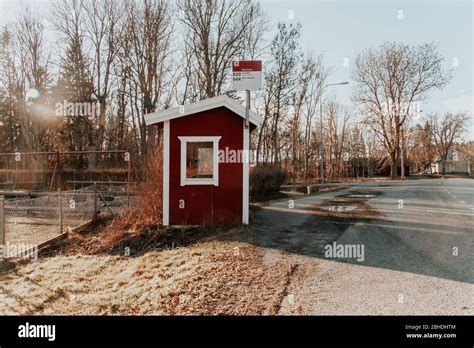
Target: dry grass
point(151, 188)
point(207, 278)
point(139, 228)
point(150, 193)
point(168, 272)
point(111, 238)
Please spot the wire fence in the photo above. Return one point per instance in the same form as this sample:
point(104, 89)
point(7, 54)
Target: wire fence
point(34, 220)
point(68, 170)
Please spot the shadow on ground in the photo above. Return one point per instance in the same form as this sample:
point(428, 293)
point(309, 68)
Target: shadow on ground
point(347, 218)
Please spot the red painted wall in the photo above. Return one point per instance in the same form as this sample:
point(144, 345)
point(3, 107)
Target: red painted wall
point(207, 204)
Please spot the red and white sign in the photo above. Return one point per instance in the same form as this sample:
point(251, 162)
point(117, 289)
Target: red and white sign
point(247, 75)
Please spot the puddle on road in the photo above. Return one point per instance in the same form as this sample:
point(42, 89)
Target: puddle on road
point(340, 208)
point(361, 196)
point(348, 204)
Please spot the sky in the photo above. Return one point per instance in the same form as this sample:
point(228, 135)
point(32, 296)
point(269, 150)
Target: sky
point(339, 29)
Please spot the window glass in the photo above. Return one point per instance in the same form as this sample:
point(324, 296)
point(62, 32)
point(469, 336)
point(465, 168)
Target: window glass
point(199, 159)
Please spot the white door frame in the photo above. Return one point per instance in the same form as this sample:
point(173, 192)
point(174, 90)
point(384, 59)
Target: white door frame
point(166, 173)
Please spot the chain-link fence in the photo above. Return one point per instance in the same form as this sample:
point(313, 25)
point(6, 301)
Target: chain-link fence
point(33, 220)
point(68, 170)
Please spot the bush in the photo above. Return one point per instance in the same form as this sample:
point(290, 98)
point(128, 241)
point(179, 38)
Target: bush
point(265, 181)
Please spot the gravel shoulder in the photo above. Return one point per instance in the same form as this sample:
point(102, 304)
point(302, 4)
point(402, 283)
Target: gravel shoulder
point(337, 288)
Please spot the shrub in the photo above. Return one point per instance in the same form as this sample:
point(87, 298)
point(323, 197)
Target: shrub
point(265, 181)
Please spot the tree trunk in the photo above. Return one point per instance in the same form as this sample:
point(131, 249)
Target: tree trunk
point(393, 168)
point(402, 166)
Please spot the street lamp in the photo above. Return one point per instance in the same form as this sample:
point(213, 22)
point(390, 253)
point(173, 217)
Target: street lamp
point(321, 152)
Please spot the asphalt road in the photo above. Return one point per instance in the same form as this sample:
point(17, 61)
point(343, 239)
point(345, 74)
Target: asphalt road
point(418, 247)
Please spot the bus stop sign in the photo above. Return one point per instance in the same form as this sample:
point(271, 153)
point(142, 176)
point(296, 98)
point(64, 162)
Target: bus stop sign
point(247, 75)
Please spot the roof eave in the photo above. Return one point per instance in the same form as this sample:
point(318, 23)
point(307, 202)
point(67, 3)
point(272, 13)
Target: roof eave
point(223, 101)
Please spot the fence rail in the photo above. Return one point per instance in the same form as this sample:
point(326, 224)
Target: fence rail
point(67, 170)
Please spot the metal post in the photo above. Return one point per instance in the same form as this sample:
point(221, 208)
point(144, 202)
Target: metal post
point(321, 151)
point(60, 211)
point(247, 108)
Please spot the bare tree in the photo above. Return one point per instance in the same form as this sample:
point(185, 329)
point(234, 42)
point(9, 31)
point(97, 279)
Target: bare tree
point(311, 104)
point(67, 19)
point(445, 131)
point(337, 134)
point(75, 82)
point(25, 76)
point(420, 146)
point(103, 22)
point(145, 66)
point(280, 79)
point(12, 89)
point(217, 32)
point(303, 102)
point(390, 80)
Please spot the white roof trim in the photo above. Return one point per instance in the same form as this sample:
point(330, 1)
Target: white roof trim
point(203, 105)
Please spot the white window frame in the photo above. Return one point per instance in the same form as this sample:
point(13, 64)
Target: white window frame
point(215, 165)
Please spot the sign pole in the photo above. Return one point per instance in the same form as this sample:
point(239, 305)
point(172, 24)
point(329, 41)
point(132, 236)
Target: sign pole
point(247, 108)
point(246, 76)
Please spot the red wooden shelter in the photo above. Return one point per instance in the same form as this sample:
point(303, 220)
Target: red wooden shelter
point(206, 158)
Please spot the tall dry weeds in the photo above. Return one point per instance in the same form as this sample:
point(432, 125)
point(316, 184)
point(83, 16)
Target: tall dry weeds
point(150, 188)
point(149, 191)
point(145, 217)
